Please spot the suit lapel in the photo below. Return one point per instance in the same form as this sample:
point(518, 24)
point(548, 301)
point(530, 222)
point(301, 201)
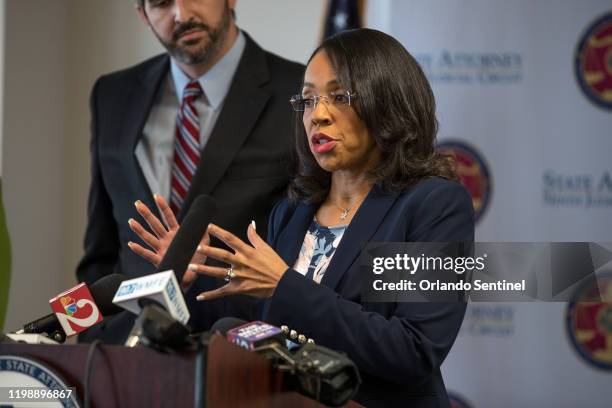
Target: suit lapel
point(242, 107)
point(289, 241)
point(363, 226)
point(137, 108)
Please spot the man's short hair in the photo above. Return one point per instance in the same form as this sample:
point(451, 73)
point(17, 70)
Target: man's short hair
point(141, 3)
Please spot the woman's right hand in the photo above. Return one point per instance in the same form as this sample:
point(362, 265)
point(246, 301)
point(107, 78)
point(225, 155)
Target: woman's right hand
point(163, 232)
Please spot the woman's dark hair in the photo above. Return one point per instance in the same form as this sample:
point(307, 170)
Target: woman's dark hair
point(397, 106)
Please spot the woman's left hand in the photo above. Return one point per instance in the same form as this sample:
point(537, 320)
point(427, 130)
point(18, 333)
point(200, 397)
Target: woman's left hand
point(257, 268)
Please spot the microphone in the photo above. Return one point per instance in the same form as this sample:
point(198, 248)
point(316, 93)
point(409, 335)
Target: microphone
point(257, 336)
point(325, 375)
point(46, 324)
point(156, 328)
point(69, 318)
point(157, 298)
point(161, 289)
point(76, 309)
point(320, 373)
point(188, 236)
point(225, 324)
point(254, 335)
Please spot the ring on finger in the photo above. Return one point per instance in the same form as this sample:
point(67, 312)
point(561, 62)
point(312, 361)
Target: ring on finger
point(230, 274)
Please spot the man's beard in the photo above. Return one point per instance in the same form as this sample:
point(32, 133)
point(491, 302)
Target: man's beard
point(209, 48)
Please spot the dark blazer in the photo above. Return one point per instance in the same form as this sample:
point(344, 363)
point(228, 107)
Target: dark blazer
point(244, 166)
point(398, 347)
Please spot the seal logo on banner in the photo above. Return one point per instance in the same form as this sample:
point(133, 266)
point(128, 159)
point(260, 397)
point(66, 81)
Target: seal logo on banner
point(589, 324)
point(473, 173)
point(593, 62)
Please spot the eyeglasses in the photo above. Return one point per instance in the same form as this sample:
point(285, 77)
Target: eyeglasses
point(339, 99)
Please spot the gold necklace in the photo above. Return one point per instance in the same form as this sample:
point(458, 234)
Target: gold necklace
point(344, 214)
point(345, 211)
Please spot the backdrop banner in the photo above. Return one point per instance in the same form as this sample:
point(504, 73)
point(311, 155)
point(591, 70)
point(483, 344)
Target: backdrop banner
point(524, 96)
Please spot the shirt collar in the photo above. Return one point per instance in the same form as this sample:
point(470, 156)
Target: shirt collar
point(216, 82)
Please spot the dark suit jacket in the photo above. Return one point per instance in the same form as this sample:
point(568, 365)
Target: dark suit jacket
point(398, 347)
point(244, 166)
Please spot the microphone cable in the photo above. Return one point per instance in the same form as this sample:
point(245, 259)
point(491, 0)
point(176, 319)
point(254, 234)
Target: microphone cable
point(94, 346)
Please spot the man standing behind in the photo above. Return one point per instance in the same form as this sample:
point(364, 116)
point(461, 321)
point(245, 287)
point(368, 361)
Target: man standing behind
point(209, 117)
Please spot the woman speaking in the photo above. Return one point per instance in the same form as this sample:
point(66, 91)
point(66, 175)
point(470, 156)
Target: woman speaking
point(366, 170)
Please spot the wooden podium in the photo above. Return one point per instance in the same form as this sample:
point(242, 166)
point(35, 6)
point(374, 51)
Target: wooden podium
point(141, 377)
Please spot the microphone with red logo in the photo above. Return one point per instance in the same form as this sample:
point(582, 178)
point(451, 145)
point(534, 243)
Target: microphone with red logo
point(77, 309)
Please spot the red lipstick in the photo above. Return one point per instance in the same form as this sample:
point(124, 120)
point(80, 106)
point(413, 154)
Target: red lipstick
point(321, 143)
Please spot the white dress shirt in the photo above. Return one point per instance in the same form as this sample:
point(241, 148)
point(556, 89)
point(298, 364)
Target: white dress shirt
point(155, 150)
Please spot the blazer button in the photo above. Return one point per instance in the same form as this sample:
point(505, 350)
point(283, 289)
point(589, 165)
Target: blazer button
point(310, 341)
point(285, 329)
point(293, 334)
point(301, 338)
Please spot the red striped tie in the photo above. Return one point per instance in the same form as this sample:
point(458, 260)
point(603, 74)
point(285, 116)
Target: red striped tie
point(186, 146)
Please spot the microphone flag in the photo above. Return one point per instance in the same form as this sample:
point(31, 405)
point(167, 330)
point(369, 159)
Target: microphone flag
point(161, 288)
point(76, 309)
point(254, 334)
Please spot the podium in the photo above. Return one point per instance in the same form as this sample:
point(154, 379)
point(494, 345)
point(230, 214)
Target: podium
point(141, 377)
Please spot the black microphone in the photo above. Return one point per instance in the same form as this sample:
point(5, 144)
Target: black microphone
point(320, 373)
point(188, 236)
point(157, 329)
point(323, 374)
point(225, 324)
point(257, 336)
point(103, 290)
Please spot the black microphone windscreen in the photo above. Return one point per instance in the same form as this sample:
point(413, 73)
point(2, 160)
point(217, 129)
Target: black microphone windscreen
point(188, 236)
point(225, 324)
point(45, 324)
point(103, 291)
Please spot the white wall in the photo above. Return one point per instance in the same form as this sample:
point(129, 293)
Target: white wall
point(54, 52)
point(103, 36)
point(34, 127)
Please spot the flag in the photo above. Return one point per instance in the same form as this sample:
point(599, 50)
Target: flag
point(5, 262)
point(342, 15)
